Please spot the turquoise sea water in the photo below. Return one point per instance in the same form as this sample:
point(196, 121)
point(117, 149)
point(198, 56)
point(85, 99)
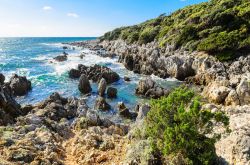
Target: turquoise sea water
point(33, 57)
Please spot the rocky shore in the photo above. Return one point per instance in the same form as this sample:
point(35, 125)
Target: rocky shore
point(56, 131)
point(225, 86)
point(62, 130)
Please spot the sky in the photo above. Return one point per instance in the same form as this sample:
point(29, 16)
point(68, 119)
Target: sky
point(78, 18)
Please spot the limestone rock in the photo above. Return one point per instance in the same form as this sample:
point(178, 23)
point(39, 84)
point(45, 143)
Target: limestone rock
point(101, 104)
point(19, 85)
point(102, 87)
point(84, 85)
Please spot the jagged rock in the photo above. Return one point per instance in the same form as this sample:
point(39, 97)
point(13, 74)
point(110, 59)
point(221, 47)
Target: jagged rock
point(143, 111)
point(112, 92)
point(243, 91)
point(235, 147)
point(81, 56)
point(9, 108)
point(61, 58)
point(97, 72)
point(93, 119)
point(102, 87)
point(126, 78)
point(2, 79)
point(149, 88)
point(74, 73)
point(232, 98)
point(26, 109)
point(216, 92)
point(19, 85)
point(101, 104)
point(124, 111)
point(84, 85)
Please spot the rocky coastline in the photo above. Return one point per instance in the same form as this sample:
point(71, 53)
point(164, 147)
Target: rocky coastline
point(62, 130)
point(225, 86)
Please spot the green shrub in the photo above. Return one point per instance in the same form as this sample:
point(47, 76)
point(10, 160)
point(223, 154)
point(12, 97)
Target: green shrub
point(220, 41)
point(148, 34)
point(176, 125)
point(133, 37)
point(187, 34)
point(225, 56)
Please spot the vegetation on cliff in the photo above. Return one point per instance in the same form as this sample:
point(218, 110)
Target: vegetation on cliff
point(219, 27)
point(178, 128)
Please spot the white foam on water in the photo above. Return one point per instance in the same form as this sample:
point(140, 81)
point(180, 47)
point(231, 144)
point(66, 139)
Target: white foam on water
point(23, 72)
point(41, 58)
point(156, 78)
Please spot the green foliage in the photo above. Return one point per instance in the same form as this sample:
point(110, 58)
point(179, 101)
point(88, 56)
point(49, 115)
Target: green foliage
point(196, 27)
point(148, 34)
point(177, 126)
point(187, 34)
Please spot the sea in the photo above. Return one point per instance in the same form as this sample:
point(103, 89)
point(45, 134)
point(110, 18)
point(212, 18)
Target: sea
point(33, 58)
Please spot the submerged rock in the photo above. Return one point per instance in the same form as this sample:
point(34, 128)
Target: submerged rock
point(61, 58)
point(112, 92)
point(74, 73)
point(84, 85)
point(102, 87)
point(126, 78)
point(19, 85)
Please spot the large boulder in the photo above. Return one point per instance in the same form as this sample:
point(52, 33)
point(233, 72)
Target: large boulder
point(243, 91)
point(216, 92)
point(2, 78)
point(149, 88)
point(112, 92)
point(61, 58)
point(124, 111)
point(84, 85)
point(74, 73)
point(19, 85)
point(9, 108)
point(101, 104)
point(144, 86)
point(97, 72)
point(102, 87)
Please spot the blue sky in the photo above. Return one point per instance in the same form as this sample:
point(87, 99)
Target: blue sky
point(28, 18)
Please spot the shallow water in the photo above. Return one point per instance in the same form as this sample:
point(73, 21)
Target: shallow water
point(33, 57)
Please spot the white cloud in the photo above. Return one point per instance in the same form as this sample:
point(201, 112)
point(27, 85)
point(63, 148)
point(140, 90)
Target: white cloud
point(47, 8)
point(72, 15)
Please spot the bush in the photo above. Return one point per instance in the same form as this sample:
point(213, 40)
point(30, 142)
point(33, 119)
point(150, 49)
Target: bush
point(148, 34)
point(133, 37)
point(177, 126)
point(187, 34)
point(218, 42)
